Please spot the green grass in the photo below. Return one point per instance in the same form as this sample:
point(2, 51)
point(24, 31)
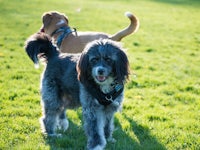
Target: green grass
point(161, 106)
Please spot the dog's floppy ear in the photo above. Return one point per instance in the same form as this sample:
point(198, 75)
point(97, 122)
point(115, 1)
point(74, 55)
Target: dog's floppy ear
point(121, 67)
point(82, 67)
point(46, 19)
point(66, 18)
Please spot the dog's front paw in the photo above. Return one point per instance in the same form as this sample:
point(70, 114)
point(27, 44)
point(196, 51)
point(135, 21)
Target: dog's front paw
point(98, 147)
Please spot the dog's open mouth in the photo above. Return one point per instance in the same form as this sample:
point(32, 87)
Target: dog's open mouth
point(101, 78)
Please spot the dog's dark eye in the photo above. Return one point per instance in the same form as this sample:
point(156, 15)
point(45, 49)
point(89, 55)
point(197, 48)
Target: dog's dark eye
point(94, 60)
point(108, 60)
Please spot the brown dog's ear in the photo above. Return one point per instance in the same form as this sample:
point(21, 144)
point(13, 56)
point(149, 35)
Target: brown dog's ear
point(121, 67)
point(66, 18)
point(46, 19)
point(82, 67)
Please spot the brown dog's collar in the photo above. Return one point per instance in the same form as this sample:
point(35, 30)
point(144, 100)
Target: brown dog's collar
point(65, 32)
point(61, 29)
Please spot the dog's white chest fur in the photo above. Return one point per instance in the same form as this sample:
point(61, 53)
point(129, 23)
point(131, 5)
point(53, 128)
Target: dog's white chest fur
point(106, 87)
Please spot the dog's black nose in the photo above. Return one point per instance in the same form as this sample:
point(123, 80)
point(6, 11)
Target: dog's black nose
point(101, 71)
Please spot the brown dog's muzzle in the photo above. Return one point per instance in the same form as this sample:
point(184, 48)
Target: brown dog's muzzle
point(42, 29)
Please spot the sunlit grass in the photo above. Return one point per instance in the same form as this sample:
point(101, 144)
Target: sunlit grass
point(161, 105)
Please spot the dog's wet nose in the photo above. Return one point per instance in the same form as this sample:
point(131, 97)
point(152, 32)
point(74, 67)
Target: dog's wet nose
point(42, 30)
point(101, 71)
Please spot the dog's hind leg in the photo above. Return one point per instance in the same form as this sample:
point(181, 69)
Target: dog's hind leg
point(54, 117)
point(49, 122)
point(63, 122)
point(52, 107)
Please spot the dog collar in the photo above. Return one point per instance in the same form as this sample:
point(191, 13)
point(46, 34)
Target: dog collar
point(65, 32)
point(106, 99)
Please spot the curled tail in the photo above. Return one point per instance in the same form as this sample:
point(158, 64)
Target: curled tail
point(132, 28)
point(38, 46)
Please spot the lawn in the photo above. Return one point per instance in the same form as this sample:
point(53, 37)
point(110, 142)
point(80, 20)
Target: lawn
point(162, 97)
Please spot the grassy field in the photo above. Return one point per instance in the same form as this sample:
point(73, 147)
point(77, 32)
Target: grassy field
point(162, 98)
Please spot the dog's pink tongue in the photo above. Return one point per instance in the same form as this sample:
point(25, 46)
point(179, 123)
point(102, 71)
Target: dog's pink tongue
point(101, 78)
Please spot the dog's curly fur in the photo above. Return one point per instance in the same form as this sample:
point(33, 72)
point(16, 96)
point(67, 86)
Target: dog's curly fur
point(67, 80)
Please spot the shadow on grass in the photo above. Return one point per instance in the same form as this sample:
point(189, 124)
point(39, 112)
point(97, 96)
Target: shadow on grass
point(180, 2)
point(145, 139)
point(74, 138)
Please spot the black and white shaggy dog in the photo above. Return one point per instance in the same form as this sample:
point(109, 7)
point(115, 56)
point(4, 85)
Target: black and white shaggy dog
point(94, 80)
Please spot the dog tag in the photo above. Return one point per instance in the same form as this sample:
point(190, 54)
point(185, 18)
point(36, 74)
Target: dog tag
point(118, 87)
point(109, 98)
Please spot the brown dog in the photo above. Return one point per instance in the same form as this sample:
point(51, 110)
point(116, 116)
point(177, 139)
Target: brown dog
point(69, 40)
